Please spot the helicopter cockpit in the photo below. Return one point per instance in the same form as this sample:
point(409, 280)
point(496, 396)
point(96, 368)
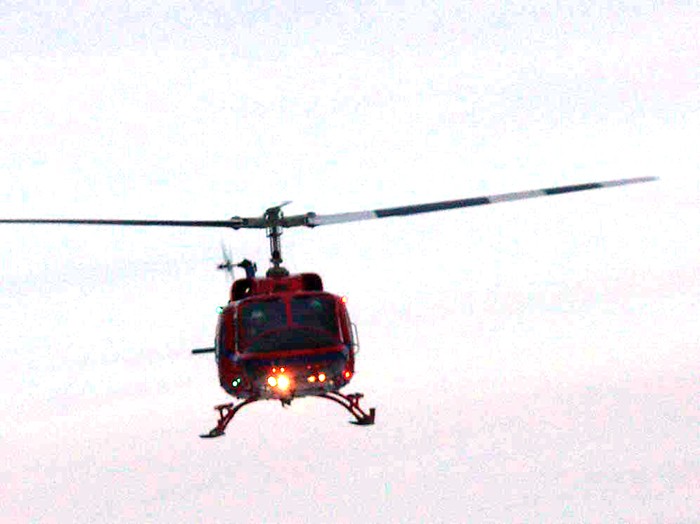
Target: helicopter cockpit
point(288, 323)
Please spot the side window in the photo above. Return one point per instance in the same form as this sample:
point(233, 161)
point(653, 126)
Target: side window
point(219, 347)
point(234, 341)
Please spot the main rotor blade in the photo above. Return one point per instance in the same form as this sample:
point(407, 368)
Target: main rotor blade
point(235, 222)
point(313, 220)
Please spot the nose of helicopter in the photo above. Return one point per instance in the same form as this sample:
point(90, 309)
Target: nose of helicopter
point(297, 376)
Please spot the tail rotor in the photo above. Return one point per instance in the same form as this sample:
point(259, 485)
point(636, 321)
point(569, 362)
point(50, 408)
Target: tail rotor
point(228, 266)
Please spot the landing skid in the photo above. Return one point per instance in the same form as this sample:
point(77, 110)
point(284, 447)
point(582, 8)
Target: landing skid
point(226, 414)
point(352, 404)
point(349, 402)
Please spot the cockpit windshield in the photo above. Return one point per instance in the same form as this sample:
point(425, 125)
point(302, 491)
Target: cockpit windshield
point(259, 317)
point(315, 312)
point(301, 322)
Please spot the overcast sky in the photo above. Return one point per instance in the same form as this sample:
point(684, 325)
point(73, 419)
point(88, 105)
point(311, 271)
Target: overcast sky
point(530, 362)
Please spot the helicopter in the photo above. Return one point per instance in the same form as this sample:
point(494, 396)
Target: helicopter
point(283, 336)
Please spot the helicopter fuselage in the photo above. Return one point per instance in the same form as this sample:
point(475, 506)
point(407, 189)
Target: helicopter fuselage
point(283, 338)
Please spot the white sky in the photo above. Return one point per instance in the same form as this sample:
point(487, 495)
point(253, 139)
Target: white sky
point(530, 362)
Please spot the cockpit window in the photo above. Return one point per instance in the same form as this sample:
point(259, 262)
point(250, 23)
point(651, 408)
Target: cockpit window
point(266, 327)
point(314, 312)
point(260, 317)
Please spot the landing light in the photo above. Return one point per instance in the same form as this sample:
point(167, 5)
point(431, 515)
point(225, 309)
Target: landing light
point(272, 381)
point(321, 377)
point(283, 383)
point(311, 379)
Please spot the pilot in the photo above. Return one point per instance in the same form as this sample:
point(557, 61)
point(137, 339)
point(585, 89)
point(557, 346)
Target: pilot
point(256, 322)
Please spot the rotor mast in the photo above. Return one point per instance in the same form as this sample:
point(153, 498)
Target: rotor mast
point(274, 226)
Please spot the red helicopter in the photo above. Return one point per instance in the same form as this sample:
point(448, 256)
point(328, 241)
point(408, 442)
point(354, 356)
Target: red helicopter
point(283, 336)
